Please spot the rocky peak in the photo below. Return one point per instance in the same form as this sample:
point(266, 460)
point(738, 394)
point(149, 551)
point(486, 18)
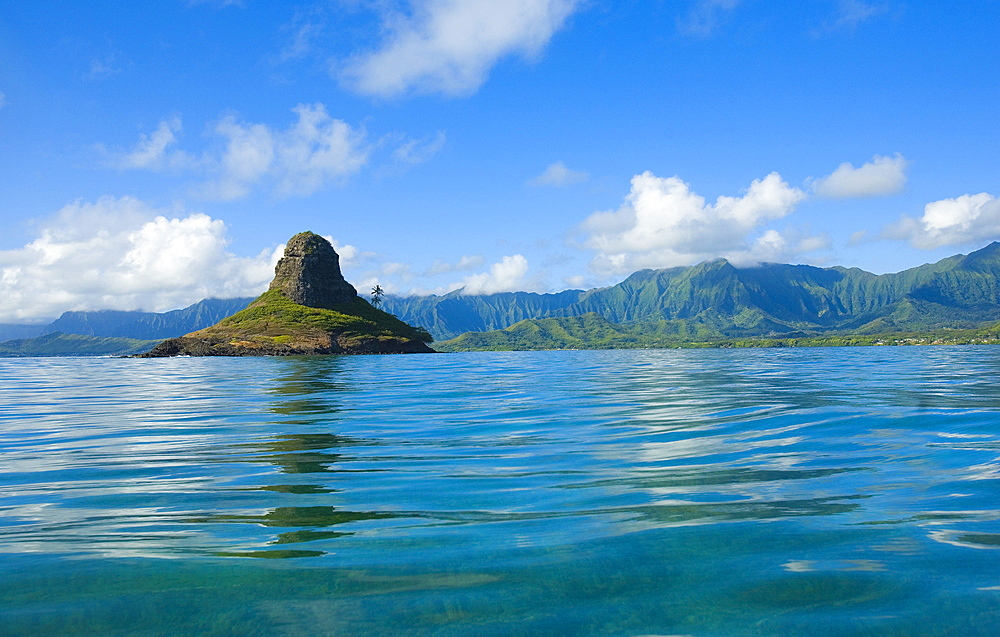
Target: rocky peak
point(309, 273)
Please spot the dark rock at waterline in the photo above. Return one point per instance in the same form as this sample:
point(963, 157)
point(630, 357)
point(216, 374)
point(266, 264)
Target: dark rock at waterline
point(193, 346)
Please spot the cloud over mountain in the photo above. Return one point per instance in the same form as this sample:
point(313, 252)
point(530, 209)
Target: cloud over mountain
point(964, 220)
point(663, 223)
point(121, 253)
point(505, 276)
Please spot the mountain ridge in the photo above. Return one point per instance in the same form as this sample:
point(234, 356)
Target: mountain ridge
point(960, 291)
point(768, 299)
point(135, 324)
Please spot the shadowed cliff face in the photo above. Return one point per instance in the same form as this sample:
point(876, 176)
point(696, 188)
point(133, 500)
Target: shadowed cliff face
point(309, 273)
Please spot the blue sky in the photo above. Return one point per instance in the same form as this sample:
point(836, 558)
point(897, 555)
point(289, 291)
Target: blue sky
point(161, 153)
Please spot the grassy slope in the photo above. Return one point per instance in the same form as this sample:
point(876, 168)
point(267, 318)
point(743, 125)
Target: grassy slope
point(591, 331)
point(59, 344)
point(273, 318)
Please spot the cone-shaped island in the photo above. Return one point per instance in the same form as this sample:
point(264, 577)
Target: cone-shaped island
point(308, 309)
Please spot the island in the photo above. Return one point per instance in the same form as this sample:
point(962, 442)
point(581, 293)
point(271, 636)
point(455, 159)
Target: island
point(308, 309)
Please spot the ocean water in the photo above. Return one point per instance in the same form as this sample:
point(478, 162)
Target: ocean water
point(840, 491)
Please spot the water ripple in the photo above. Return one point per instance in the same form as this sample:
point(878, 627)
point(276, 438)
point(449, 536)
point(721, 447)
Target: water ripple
point(792, 462)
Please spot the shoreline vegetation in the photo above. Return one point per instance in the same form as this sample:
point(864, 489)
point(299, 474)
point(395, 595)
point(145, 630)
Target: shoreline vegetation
point(592, 332)
point(58, 344)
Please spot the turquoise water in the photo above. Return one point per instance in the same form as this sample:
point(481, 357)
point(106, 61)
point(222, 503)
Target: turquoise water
point(841, 491)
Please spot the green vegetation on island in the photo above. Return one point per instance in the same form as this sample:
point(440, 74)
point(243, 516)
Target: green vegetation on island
point(308, 309)
point(274, 323)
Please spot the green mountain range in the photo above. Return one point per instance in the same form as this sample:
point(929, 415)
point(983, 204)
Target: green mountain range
point(138, 325)
point(717, 299)
point(713, 302)
point(59, 344)
point(592, 331)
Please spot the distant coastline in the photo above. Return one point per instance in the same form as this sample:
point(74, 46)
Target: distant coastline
point(710, 305)
point(560, 335)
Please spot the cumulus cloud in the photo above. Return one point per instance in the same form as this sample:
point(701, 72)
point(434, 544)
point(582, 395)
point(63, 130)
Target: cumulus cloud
point(348, 254)
point(120, 253)
point(557, 174)
point(312, 153)
point(663, 223)
point(705, 16)
point(506, 276)
point(964, 220)
point(449, 46)
point(881, 176)
point(300, 160)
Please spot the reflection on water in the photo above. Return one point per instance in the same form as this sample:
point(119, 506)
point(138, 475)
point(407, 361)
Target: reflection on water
point(293, 517)
point(302, 453)
point(830, 491)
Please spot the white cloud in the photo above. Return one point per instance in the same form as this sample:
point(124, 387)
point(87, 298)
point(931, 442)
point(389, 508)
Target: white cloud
point(417, 151)
point(704, 16)
point(858, 237)
point(449, 46)
point(315, 151)
point(120, 253)
point(347, 253)
point(662, 223)
point(967, 219)
point(305, 28)
point(881, 176)
point(506, 276)
point(247, 158)
point(463, 264)
point(393, 276)
point(557, 174)
point(151, 152)
point(851, 13)
point(3, 100)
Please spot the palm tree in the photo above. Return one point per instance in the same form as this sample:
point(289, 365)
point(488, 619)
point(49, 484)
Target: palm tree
point(377, 293)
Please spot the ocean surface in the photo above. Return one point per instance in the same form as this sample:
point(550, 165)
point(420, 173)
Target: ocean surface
point(838, 491)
